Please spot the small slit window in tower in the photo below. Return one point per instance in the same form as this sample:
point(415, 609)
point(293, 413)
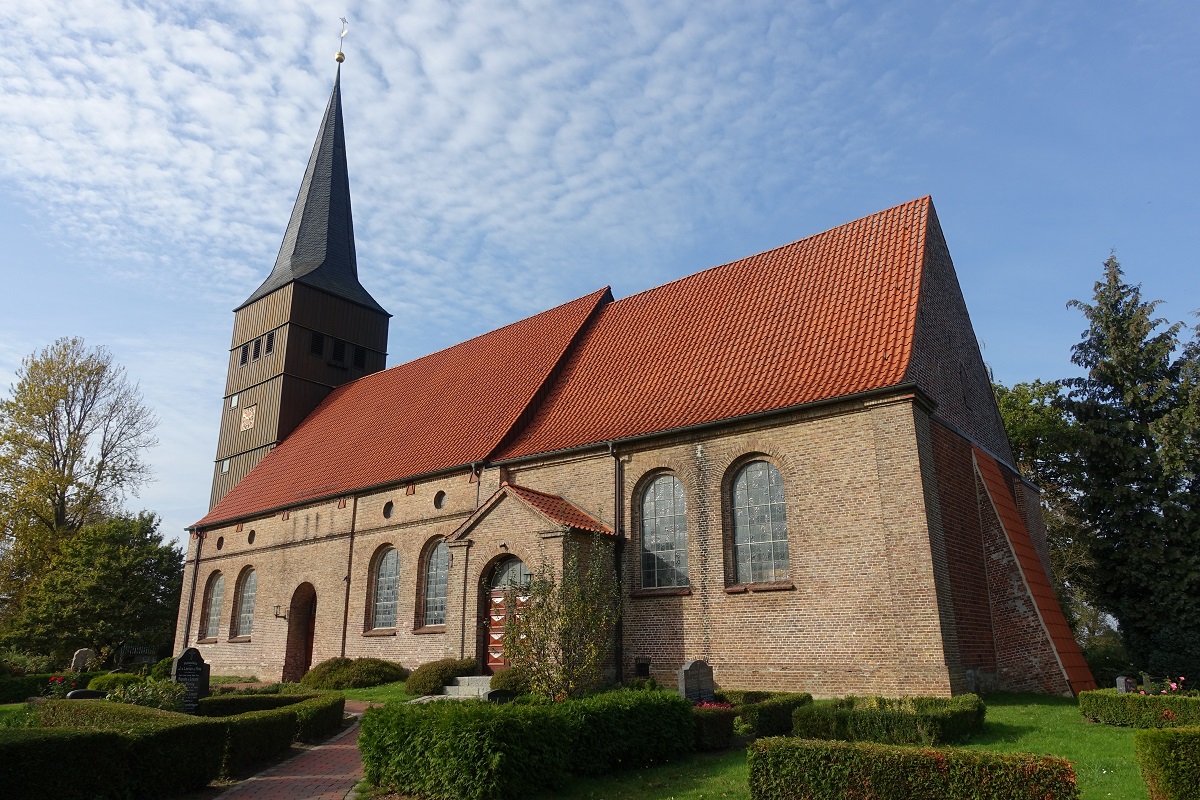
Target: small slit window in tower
point(233, 398)
point(225, 467)
point(257, 349)
point(339, 351)
point(245, 356)
point(317, 346)
point(360, 357)
point(270, 344)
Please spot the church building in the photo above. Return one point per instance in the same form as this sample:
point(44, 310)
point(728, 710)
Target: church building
point(796, 458)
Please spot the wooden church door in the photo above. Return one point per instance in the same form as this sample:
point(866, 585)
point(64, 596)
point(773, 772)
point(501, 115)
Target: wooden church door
point(508, 575)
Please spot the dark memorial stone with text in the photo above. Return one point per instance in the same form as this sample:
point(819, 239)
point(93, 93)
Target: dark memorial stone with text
point(190, 669)
point(696, 682)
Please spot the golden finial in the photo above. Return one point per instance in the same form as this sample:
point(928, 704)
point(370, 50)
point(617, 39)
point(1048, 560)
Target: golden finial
point(340, 57)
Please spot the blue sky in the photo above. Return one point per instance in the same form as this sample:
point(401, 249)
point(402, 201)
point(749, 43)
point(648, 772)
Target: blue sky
point(508, 156)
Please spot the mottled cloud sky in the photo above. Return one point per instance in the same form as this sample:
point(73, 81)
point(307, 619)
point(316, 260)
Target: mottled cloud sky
point(509, 156)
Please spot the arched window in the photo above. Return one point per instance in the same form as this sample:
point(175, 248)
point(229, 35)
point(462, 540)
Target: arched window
point(760, 537)
point(210, 616)
point(387, 578)
point(243, 619)
point(437, 575)
point(664, 534)
point(510, 572)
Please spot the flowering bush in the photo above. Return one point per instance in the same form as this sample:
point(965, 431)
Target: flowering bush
point(166, 695)
point(58, 686)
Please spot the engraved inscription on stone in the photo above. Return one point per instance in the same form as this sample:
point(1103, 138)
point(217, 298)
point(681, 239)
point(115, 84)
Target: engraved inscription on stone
point(190, 669)
point(696, 682)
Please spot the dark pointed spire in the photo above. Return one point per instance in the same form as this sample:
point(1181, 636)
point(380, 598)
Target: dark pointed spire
point(318, 246)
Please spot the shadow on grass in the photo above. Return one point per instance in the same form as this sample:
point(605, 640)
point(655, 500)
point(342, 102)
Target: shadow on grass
point(696, 775)
point(997, 732)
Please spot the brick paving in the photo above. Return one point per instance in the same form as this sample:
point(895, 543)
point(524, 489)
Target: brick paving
point(326, 772)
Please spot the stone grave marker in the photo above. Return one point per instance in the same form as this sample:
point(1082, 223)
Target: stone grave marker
point(696, 682)
point(1126, 685)
point(80, 660)
point(190, 669)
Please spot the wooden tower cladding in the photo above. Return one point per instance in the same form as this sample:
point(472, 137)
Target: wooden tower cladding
point(309, 327)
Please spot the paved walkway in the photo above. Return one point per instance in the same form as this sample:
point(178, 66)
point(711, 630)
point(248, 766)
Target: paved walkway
point(328, 771)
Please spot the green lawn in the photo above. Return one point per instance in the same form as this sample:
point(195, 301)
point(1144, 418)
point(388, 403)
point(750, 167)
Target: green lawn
point(1102, 755)
point(379, 694)
point(10, 708)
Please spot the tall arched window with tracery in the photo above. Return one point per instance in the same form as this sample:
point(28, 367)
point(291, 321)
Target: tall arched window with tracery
point(760, 535)
point(387, 584)
point(210, 615)
point(437, 578)
point(664, 534)
point(243, 619)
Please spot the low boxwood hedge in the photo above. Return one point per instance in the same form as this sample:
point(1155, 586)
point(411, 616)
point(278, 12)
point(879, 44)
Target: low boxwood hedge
point(50, 764)
point(173, 753)
point(467, 750)
point(1139, 710)
point(769, 717)
point(358, 673)
point(255, 736)
point(430, 678)
point(783, 768)
point(226, 705)
point(111, 680)
point(740, 697)
point(319, 717)
point(907, 720)
point(1170, 762)
point(713, 727)
point(20, 689)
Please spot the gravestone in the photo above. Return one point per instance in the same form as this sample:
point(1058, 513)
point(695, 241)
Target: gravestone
point(696, 682)
point(1126, 685)
point(190, 669)
point(80, 660)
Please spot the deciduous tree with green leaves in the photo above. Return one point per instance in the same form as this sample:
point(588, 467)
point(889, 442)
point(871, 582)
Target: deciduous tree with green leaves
point(561, 632)
point(114, 583)
point(1138, 460)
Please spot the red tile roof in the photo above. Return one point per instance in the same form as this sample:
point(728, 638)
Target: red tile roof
point(556, 509)
point(1073, 662)
point(440, 411)
point(824, 317)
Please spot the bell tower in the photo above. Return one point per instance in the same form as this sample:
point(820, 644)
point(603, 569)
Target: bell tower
point(309, 327)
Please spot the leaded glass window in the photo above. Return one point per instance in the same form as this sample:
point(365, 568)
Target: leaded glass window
point(212, 606)
point(760, 537)
point(437, 574)
point(387, 579)
point(664, 534)
point(245, 604)
point(512, 572)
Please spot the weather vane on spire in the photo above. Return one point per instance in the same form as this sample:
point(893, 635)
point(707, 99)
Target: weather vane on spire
point(340, 57)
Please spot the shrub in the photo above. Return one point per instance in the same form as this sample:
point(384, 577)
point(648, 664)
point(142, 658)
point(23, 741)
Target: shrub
point(909, 720)
point(513, 679)
point(1170, 762)
point(163, 695)
point(740, 697)
point(770, 717)
point(162, 670)
point(255, 736)
point(102, 683)
point(174, 753)
point(468, 750)
point(18, 663)
point(622, 729)
point(803, 769)
point(344, 673)
point(319, 717)
point(430, 678)
point(18, 690)
point(33, 763)
point(713, 726)
point(227, 705)
point(1139, 710)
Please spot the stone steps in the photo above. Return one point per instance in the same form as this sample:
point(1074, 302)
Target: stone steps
point(473, 686)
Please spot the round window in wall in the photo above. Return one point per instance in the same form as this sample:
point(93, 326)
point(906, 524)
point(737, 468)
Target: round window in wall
point(439, 500)
point(220, 542)
point(250, 538)
point(387, 509)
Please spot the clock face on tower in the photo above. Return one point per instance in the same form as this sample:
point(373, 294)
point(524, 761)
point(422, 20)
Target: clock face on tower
point(248, 417)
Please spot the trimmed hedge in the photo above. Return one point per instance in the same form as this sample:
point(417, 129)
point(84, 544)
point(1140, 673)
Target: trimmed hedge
point(769, 717)
point(18, 690)
point(1139, 710)
point(471, 750)
point(50, 764)
point(256, 736)
point(319, 717)
point(174, 753)
point(102, 683)
point(713, 727)
point(226, 705)
point(908, 720)
point(345, 673)
point(741, 697)
point(1170, 762)
point(430, 678)
point(803, 769)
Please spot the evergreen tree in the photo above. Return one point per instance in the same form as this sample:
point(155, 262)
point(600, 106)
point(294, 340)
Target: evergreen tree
point(1137, 464)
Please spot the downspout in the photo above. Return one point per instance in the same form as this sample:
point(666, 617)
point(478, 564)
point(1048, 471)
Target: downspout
point(475, 473)
point(618, 552)
point(187, 628)
point(349, 564)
